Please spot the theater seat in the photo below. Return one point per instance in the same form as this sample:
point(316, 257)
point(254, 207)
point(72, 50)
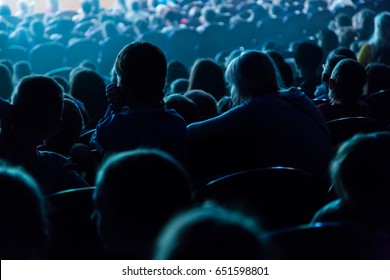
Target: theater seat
point(329, 241)
point(344, 128)
point(279, 196)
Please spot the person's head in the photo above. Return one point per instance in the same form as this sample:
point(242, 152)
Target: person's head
point(208, 15)
point(378, 77)
point(141, 70)
point(21, 69)
point(207, 75)
point(23, 233)
point(206, 103)
point(179, 86)
point(363, 22)
point(88, 87)
point(308, 56)
point(381, 36)
point(285, 70)
point(342, 20)
point(348, 53)
point(327, 39)
point(109, 29)
point(360, 171)
point(5, 10)
point(251, 74)
point(210, 234)
point(37, 28)
point(68, 133)
point(38, 103)
point(176, 70)
point(330, 64)
point(347, 81)
point(6, 85)
point(86, 7)
point(184, 106)
point(137, 192)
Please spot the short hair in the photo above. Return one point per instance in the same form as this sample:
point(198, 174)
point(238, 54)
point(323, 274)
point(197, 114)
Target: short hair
point(308, 55)
point(206, 103)
point(143, 67)
point(210, 234)
point(23, 233)
point(38, 102)
point(349, 79)
point(360, 170)
point(184, 106)
point(377, 77)
point(146, 186)
point(252, 73)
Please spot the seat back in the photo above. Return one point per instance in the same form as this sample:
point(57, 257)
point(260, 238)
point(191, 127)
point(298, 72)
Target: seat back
point(329, 241)
point(279, 196)
point(156, 38)
point(379, 104)
point(14, 54)
point(345, 128)
point(46, 57)
point(73, 233)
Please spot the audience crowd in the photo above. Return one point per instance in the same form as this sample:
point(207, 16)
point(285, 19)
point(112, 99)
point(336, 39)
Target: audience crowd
point(188, 129)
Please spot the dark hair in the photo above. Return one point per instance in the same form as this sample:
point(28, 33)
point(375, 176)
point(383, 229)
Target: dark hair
point(23, 232)
point(212, 234)
point(360, 170)
point(308, 55)
point(349, 79)
point(207, 75)
point(38, 102)
point(6, 85)
point(142, 69)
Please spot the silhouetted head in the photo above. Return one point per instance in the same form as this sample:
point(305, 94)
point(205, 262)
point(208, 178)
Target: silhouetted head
point(38, 102)
point(207, 75)
point(347, 81)
point(360, 171)
point(250, 75)
point(184, 106)
point(23, 231)
point(210, 234)
point(176, 70)
point(378, 77)
point(88, 87)
point(308, 56)
point(206, 103)
point(141, 69)
point(137, 192)
point(6, 85)
point(68, 133)
point(21, 69)
point(381, 36)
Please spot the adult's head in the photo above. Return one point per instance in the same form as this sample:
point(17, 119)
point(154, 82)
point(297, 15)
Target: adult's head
point(141, 69)
point(6, 85)
point(377, 77)
point(137, 192)
point(251, 74)
point(359, 171)
point(207, 75)
point(210, 234)
point(23, 232)
point(88, 87)
point(38, 102)
point(308, 57)
point(381, 36)
point(347, 81)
